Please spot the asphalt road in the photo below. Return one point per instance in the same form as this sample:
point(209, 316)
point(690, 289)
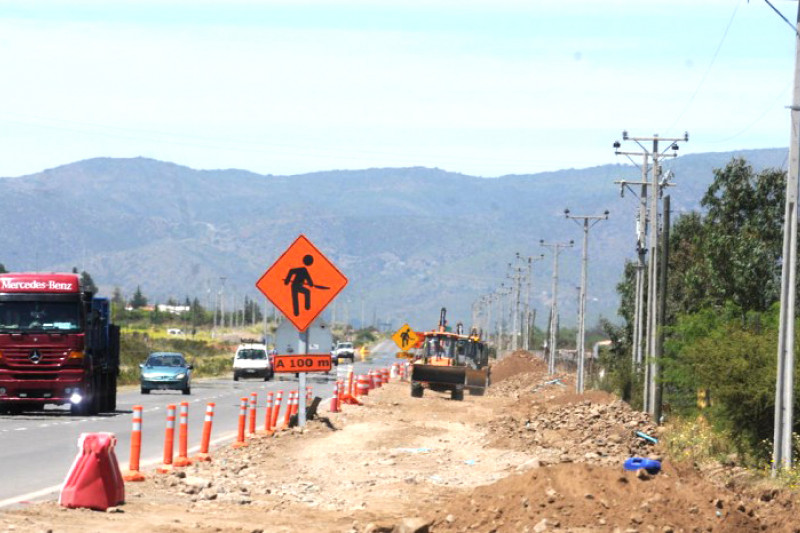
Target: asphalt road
point(38, 448)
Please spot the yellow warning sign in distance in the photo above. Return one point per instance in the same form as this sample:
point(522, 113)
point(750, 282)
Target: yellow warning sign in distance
point(405, 337)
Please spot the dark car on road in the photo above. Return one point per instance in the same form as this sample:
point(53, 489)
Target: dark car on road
point(166, 371)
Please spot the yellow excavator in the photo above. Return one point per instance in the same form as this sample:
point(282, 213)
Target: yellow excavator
point(451, 362)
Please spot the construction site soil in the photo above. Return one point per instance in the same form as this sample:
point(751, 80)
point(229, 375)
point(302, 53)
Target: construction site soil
point(529, 456)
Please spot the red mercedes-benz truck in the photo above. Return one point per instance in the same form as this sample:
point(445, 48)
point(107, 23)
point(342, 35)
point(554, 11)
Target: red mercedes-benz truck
point(57, 345)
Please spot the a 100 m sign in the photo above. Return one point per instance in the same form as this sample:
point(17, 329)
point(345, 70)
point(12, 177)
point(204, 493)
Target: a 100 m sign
point(302, 363)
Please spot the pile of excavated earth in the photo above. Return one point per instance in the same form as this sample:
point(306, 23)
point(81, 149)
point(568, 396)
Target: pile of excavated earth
point(529, 456)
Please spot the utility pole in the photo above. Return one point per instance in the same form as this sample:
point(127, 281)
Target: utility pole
point(529, 281)
point(662, 311)
point(657, 183)
point(784, 385)
point(222, 301)
point(555, 248)
point(516, 278)
point(490, 299)
point(641, 253)
point(502, 317)
point(587, 222)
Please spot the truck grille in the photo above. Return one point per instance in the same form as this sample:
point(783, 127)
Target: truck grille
point(35, 376)
point(18, 357)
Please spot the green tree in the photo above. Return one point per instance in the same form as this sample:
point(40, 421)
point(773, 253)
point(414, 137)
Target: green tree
point(138, 301)
point(156, 317)
point(734, 360)
point(744, 236)
point(690, 270)
point(86, 281)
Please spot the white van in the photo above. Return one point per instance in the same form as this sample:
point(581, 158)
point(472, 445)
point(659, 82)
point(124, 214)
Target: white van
point(252, 361)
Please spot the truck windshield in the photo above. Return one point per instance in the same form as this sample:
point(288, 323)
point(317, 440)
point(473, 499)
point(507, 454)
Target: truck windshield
point(29, 316)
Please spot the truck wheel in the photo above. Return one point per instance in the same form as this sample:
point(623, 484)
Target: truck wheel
point(235, 376)
point(145, 391)
point(417, 390)
point(102, 391)
point(95, 400)
point(457, 395)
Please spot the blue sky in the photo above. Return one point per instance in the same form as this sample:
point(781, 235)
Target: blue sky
point(481, 87)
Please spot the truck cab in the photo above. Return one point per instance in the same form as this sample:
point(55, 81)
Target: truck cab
point(56, 345)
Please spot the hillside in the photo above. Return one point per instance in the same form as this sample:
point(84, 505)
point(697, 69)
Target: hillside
point(409, 239)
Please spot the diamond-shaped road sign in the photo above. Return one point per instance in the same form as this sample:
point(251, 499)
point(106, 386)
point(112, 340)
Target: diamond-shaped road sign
point(301, 283)
point(405, 338)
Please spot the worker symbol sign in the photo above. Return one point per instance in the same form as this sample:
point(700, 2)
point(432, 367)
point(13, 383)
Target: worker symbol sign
point(301, 283)
point(405, 338)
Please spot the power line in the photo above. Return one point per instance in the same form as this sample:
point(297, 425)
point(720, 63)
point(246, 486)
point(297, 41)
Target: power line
point(708, 69)
point(756, 121)
point(783, 17)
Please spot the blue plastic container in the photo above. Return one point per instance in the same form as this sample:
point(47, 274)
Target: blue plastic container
point(651, 465)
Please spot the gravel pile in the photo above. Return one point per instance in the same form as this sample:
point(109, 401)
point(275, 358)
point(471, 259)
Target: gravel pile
point(587, 431)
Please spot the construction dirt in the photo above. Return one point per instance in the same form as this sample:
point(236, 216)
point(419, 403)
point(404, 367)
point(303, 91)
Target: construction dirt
point(529, 456)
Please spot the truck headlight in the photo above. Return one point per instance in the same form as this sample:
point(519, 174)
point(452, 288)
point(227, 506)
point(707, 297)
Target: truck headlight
point(75, 398)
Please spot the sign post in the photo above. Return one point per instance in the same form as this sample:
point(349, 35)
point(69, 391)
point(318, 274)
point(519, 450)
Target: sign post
point(301, 385)
point(301, 283)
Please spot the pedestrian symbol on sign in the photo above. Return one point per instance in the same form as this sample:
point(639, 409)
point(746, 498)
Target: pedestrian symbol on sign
point(404, 337)
point(301, 281)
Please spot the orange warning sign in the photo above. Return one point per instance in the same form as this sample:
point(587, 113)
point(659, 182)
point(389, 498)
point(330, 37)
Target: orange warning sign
point(301, 283)
point(302, 363)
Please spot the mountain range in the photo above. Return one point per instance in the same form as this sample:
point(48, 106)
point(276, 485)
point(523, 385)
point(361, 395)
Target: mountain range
point(410, 240)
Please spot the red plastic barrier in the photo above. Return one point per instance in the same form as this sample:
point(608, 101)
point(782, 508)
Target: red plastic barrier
point(94, 480)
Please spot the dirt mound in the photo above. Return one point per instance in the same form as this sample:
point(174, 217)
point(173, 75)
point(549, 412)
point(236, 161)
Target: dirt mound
point(584, 431)
point(519, 362)
point(577, 497)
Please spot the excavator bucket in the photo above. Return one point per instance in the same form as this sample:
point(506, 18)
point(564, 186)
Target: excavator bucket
point(477, 380)
point(439, 375)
